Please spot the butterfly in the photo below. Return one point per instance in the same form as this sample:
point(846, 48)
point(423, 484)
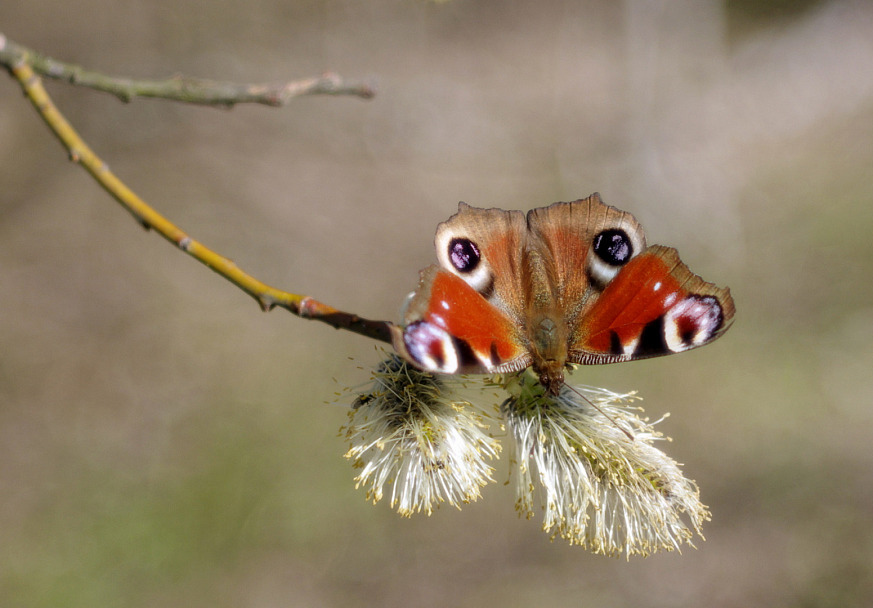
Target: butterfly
point(571, 283)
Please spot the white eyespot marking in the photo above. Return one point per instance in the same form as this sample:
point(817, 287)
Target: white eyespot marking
point(431, 347)
point(600, 271)
point(692, 322)
point(480, 279)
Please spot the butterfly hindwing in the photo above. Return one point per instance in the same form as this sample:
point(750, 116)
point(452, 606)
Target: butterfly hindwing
point(653, 306)
point(452, 328)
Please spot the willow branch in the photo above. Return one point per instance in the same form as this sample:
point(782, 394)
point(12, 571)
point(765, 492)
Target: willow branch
point(185, 89)
point(80, 153)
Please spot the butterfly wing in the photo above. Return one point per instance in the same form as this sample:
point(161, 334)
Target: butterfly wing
point(484, 248)
point(451, 328)
point(564, 234)
point(654, 305)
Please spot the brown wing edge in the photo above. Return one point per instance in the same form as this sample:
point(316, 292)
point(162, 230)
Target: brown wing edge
point(694, 284)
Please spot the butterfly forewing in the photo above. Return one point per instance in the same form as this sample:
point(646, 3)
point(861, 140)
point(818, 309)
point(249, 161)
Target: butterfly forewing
point(493, 264)
point(565, 232)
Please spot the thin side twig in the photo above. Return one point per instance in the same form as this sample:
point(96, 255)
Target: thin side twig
point(184, 89)
point(268, 297)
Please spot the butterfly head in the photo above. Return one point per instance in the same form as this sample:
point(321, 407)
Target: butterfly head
point(551, 376)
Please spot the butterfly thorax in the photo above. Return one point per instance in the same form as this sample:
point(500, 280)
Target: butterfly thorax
point(545, 325)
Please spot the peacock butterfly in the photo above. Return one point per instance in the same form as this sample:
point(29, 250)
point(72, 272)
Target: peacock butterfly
point(568, 283)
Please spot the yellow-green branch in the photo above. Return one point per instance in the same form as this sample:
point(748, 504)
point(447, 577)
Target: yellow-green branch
point(268, 297)
point(185, 89)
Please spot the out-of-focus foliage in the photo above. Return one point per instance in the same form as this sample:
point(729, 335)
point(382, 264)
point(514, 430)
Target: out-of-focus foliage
point(163, 442)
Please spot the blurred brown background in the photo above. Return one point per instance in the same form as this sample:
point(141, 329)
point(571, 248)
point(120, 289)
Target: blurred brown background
point(164, 443)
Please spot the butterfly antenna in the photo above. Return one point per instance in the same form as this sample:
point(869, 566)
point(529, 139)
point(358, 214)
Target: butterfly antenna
point(627, 433)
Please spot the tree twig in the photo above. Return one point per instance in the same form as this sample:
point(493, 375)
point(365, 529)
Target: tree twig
point(185, 89)
point(80, 153)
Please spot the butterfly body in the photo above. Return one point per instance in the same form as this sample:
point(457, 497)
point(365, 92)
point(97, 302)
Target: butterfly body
point(564, 284)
